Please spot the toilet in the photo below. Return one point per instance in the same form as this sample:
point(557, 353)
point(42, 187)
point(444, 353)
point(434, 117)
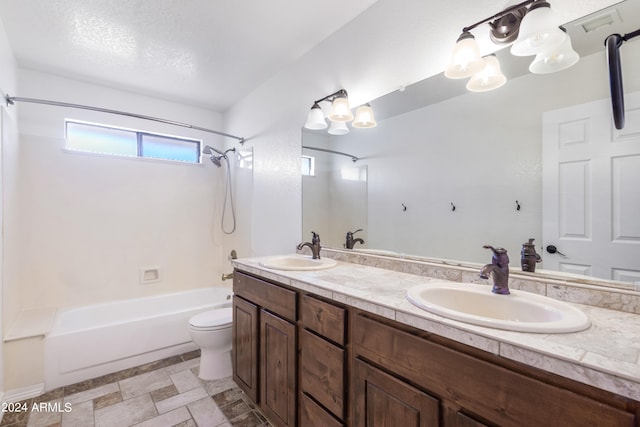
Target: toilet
point(211, 331)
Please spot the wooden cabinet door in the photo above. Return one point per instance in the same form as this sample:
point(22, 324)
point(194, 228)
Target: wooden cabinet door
point(382, 400)
point(277, 369)
point(245, 346)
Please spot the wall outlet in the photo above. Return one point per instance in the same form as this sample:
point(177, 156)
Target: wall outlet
point(150, 275)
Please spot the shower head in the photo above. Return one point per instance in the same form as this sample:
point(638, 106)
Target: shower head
point(210, 150)
point(216, 160)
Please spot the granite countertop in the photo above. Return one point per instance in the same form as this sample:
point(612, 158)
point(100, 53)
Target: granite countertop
point(606, 355)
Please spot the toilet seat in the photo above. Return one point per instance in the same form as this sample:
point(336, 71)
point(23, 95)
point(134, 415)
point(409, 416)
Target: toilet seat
point(212, 320)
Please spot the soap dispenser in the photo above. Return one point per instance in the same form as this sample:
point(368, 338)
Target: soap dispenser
point(529, 256)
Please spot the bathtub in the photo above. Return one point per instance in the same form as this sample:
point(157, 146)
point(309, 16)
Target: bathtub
point(87, 342)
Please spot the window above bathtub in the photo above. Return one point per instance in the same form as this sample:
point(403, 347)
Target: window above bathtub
point(102, 139)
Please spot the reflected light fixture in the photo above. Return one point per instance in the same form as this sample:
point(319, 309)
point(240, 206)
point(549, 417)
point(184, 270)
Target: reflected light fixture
point(364, 117)
point(338, 128)
point(339, 115)
point(557, 59)
point(533, 26)
point(489, 78)
point(539, 31)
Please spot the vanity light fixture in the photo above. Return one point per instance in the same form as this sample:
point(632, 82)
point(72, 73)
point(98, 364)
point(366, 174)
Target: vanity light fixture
point(539, 31)
point(489, 78)
point(339, 115)
point(560, 58)
point(315, 118)
point(535, 30)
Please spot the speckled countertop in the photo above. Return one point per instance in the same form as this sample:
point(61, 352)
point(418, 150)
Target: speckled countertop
point(606, 355)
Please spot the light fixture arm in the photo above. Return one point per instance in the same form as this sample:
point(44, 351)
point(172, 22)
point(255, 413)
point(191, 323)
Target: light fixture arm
point(330, 98)
point(499, 15)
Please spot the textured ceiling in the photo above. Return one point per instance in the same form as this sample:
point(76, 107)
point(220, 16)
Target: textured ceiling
point(213, 53)
point(203, 52)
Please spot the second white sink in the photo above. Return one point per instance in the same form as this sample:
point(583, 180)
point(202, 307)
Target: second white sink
point(520, 311)
point(297, 262)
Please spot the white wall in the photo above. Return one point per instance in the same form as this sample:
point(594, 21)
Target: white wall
point(8, 144)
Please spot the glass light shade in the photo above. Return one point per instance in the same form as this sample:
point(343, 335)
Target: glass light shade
point(340, 110)
point(465, 58)
point(338, 128)
point(539, 31)
point(315, 118)
point(364, 117)
point(489, 78)
point(557, 59)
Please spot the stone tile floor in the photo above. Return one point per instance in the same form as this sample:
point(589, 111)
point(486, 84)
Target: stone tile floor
point(163, 393)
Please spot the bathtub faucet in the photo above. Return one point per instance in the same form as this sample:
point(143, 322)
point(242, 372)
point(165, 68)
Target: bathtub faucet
point(314, 245)
point(498, 269)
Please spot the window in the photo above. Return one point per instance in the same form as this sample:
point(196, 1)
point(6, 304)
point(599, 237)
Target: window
point(308, 166)
point(95, 138)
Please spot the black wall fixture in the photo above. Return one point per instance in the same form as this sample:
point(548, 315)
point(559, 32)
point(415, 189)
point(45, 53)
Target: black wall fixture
point(613, 43)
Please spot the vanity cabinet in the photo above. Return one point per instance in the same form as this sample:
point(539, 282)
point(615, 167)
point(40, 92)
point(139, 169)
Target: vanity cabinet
point(307, 361)
point(401, 373)
point(265, 347)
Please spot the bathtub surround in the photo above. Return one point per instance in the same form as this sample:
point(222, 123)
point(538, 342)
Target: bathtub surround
point(163, 393)
point(82, 226)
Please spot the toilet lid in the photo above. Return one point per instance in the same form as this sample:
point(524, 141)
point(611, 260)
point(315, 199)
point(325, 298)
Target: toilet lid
point(213, 319)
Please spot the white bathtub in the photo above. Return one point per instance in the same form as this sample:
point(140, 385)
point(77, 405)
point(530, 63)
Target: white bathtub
point(95, 340)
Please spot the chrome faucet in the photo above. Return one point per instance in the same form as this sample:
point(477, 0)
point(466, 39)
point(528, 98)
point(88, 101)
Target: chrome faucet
point(314, 245)
point(498, 269)
point(351, 241)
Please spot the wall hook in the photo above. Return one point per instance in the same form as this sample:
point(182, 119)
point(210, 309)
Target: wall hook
point(404, 208)
point(517, 206)
point(453, 207)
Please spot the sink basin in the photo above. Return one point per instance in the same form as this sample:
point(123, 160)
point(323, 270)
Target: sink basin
point(520, 311)
point(297, 262)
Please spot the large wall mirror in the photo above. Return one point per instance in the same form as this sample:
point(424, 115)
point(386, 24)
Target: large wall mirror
point(447, 171)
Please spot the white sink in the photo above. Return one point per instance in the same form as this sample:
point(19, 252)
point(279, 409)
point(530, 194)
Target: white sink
point(298, 262)
point(519, 311)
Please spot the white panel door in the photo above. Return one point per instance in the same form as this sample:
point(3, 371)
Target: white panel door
point(591, 190)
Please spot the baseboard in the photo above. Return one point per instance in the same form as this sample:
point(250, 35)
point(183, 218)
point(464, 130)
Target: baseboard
point(23, 393)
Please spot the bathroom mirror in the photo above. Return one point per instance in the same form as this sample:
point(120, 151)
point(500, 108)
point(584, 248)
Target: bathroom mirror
point(449, 171)
point(334, 196)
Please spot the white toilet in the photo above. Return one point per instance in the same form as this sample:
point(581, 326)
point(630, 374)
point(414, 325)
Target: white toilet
point(211, 331)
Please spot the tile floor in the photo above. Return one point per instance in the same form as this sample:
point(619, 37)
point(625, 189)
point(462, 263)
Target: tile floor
point(163, 393)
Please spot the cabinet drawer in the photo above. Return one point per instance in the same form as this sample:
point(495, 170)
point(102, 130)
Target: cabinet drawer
point(322, 372)
point(323, 318)
point(312, 415)
point(272, 297)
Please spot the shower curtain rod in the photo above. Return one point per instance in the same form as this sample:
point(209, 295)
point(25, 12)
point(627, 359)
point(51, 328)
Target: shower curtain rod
point(12, 99)
point(353, 158)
